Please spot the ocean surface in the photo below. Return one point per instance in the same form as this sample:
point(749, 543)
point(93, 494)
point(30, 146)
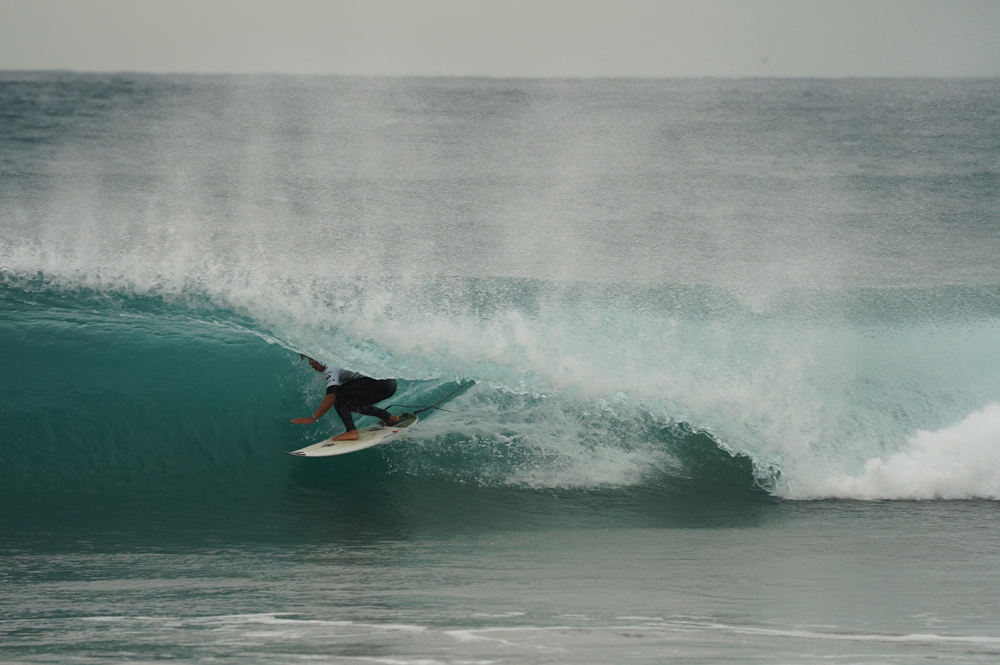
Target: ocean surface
point(717, 362)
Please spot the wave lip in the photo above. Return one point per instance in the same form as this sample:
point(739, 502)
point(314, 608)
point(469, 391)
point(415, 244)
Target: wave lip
point(958, 462)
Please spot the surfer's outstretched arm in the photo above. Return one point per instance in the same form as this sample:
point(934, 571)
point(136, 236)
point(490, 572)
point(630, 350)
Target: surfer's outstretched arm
point(328, 401)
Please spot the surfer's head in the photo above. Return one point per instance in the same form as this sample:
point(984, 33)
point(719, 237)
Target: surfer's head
point(315, 364)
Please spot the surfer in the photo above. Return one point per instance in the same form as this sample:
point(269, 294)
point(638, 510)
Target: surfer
point(349, 391)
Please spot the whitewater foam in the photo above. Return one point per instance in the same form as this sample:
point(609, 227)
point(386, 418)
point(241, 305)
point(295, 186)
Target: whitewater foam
point(958, 462)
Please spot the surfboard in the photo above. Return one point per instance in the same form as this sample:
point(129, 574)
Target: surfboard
point(367, 437)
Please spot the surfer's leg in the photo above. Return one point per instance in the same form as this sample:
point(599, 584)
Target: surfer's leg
point(344, 411)
point(361, 394)
point(381, 414)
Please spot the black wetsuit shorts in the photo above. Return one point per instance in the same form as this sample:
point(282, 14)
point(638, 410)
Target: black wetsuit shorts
point(359, 395)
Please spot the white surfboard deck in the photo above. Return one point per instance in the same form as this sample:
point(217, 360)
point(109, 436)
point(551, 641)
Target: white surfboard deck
point(368, 437)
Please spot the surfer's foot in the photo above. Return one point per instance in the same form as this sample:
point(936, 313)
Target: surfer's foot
point(348, 436)
point(393, 420)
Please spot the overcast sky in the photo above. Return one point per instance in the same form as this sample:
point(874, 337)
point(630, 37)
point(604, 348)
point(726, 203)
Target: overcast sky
point(578, 38)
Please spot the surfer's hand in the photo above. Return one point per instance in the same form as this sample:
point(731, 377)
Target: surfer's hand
point(304, 421)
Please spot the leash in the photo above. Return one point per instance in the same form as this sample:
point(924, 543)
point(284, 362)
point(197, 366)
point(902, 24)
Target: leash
point(432, 406)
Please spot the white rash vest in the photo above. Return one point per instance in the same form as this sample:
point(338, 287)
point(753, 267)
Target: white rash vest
point(336, 376)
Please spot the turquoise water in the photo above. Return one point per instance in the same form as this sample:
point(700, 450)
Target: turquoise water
point(718, 362)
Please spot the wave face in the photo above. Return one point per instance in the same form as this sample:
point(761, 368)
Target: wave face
point(643, 287)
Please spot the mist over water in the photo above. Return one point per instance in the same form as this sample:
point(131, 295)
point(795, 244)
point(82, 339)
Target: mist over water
point(805, 271)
